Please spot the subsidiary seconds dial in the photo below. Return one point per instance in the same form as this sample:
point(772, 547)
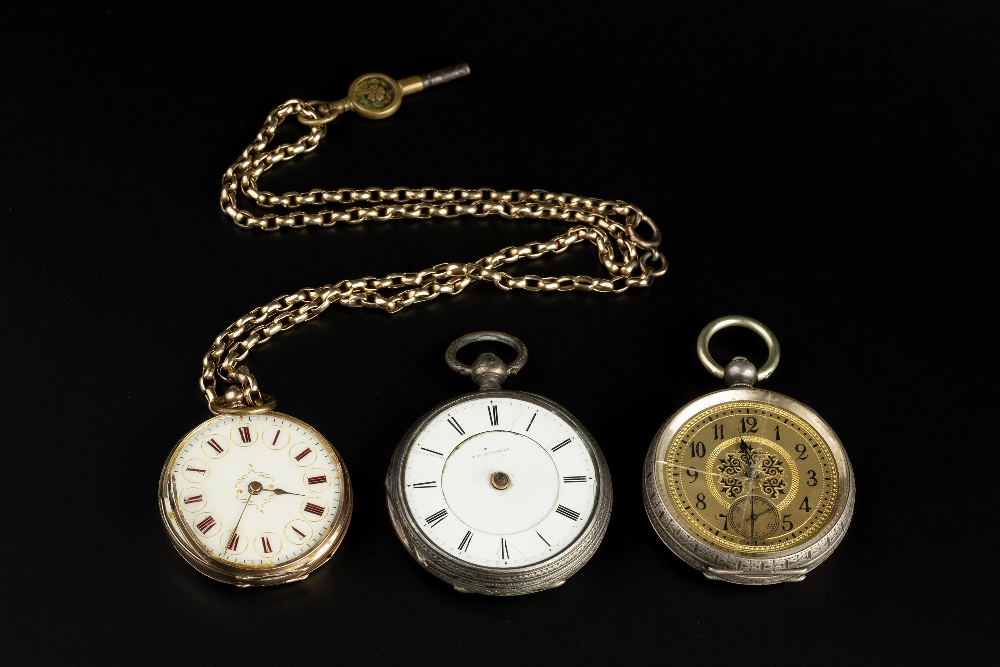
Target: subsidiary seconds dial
point(499, 481)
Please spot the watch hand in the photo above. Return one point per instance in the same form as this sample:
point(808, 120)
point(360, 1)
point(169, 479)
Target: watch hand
point(236, 527)
point(745, 452)
point(282, 492)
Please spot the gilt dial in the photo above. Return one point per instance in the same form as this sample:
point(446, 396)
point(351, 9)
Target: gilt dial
point(256, 491)
point(748, 477)
point(500, 482)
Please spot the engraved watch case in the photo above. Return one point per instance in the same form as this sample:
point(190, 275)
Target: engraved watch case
point(498, 492)
point(747, 485)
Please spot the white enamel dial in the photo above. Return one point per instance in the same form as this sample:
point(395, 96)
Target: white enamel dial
point(257, 491)
point(500, 482)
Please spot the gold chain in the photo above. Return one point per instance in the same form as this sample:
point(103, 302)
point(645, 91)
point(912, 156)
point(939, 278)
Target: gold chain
point(609, 225)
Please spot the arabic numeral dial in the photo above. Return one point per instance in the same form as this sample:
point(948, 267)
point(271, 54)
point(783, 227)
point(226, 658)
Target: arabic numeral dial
point(748, 478)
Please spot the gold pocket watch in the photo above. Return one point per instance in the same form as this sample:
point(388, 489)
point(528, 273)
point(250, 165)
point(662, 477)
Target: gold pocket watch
point(498, 492)
point(255, 497)
point(746, 485)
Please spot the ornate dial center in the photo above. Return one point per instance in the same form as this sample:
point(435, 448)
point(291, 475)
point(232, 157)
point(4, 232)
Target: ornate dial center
point(254, 488)
point(500, 480)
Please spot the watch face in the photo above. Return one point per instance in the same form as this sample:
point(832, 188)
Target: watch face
point(748, 478)
point(500, 482)
point(257, 491)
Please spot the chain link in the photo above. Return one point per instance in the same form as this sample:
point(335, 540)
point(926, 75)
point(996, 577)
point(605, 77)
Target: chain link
point(608, 225)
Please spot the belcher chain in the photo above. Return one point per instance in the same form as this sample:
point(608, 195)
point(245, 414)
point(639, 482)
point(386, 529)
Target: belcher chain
point(610, 225)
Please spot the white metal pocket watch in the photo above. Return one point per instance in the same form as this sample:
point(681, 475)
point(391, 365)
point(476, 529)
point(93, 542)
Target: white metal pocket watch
point(746, 485)
point(498, 492)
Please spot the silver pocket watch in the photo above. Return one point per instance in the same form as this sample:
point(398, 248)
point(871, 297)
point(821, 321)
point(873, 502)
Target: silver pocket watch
point(747, 485)
point(498, 492)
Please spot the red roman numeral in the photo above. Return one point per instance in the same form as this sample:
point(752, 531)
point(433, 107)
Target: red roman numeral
point(206, 524)
point(244, 433)
point(275, 441)
point(304, 453)
point(318, 479)
point(195, 469)
point(192, 499)
point(265, 544)
point(234, 542)
point(214, 445)
point(315, 509)
point(301, 534)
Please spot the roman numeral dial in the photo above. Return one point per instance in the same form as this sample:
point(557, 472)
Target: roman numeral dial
point(499, 481)
point(255, 491)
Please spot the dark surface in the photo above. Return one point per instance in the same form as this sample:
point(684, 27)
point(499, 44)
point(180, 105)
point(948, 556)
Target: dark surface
point(828, 170)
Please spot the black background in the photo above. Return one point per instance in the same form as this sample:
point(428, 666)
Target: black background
point(827, 169)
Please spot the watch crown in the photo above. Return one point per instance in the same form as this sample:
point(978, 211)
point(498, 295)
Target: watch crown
point(489, 371)
point(234, 397)
point(740, 373)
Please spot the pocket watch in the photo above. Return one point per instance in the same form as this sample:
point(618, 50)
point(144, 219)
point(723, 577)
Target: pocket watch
point(746, 485)
point(498, 492)
point(254, 497)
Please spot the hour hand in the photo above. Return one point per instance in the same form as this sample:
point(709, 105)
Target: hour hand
point(282, 492)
